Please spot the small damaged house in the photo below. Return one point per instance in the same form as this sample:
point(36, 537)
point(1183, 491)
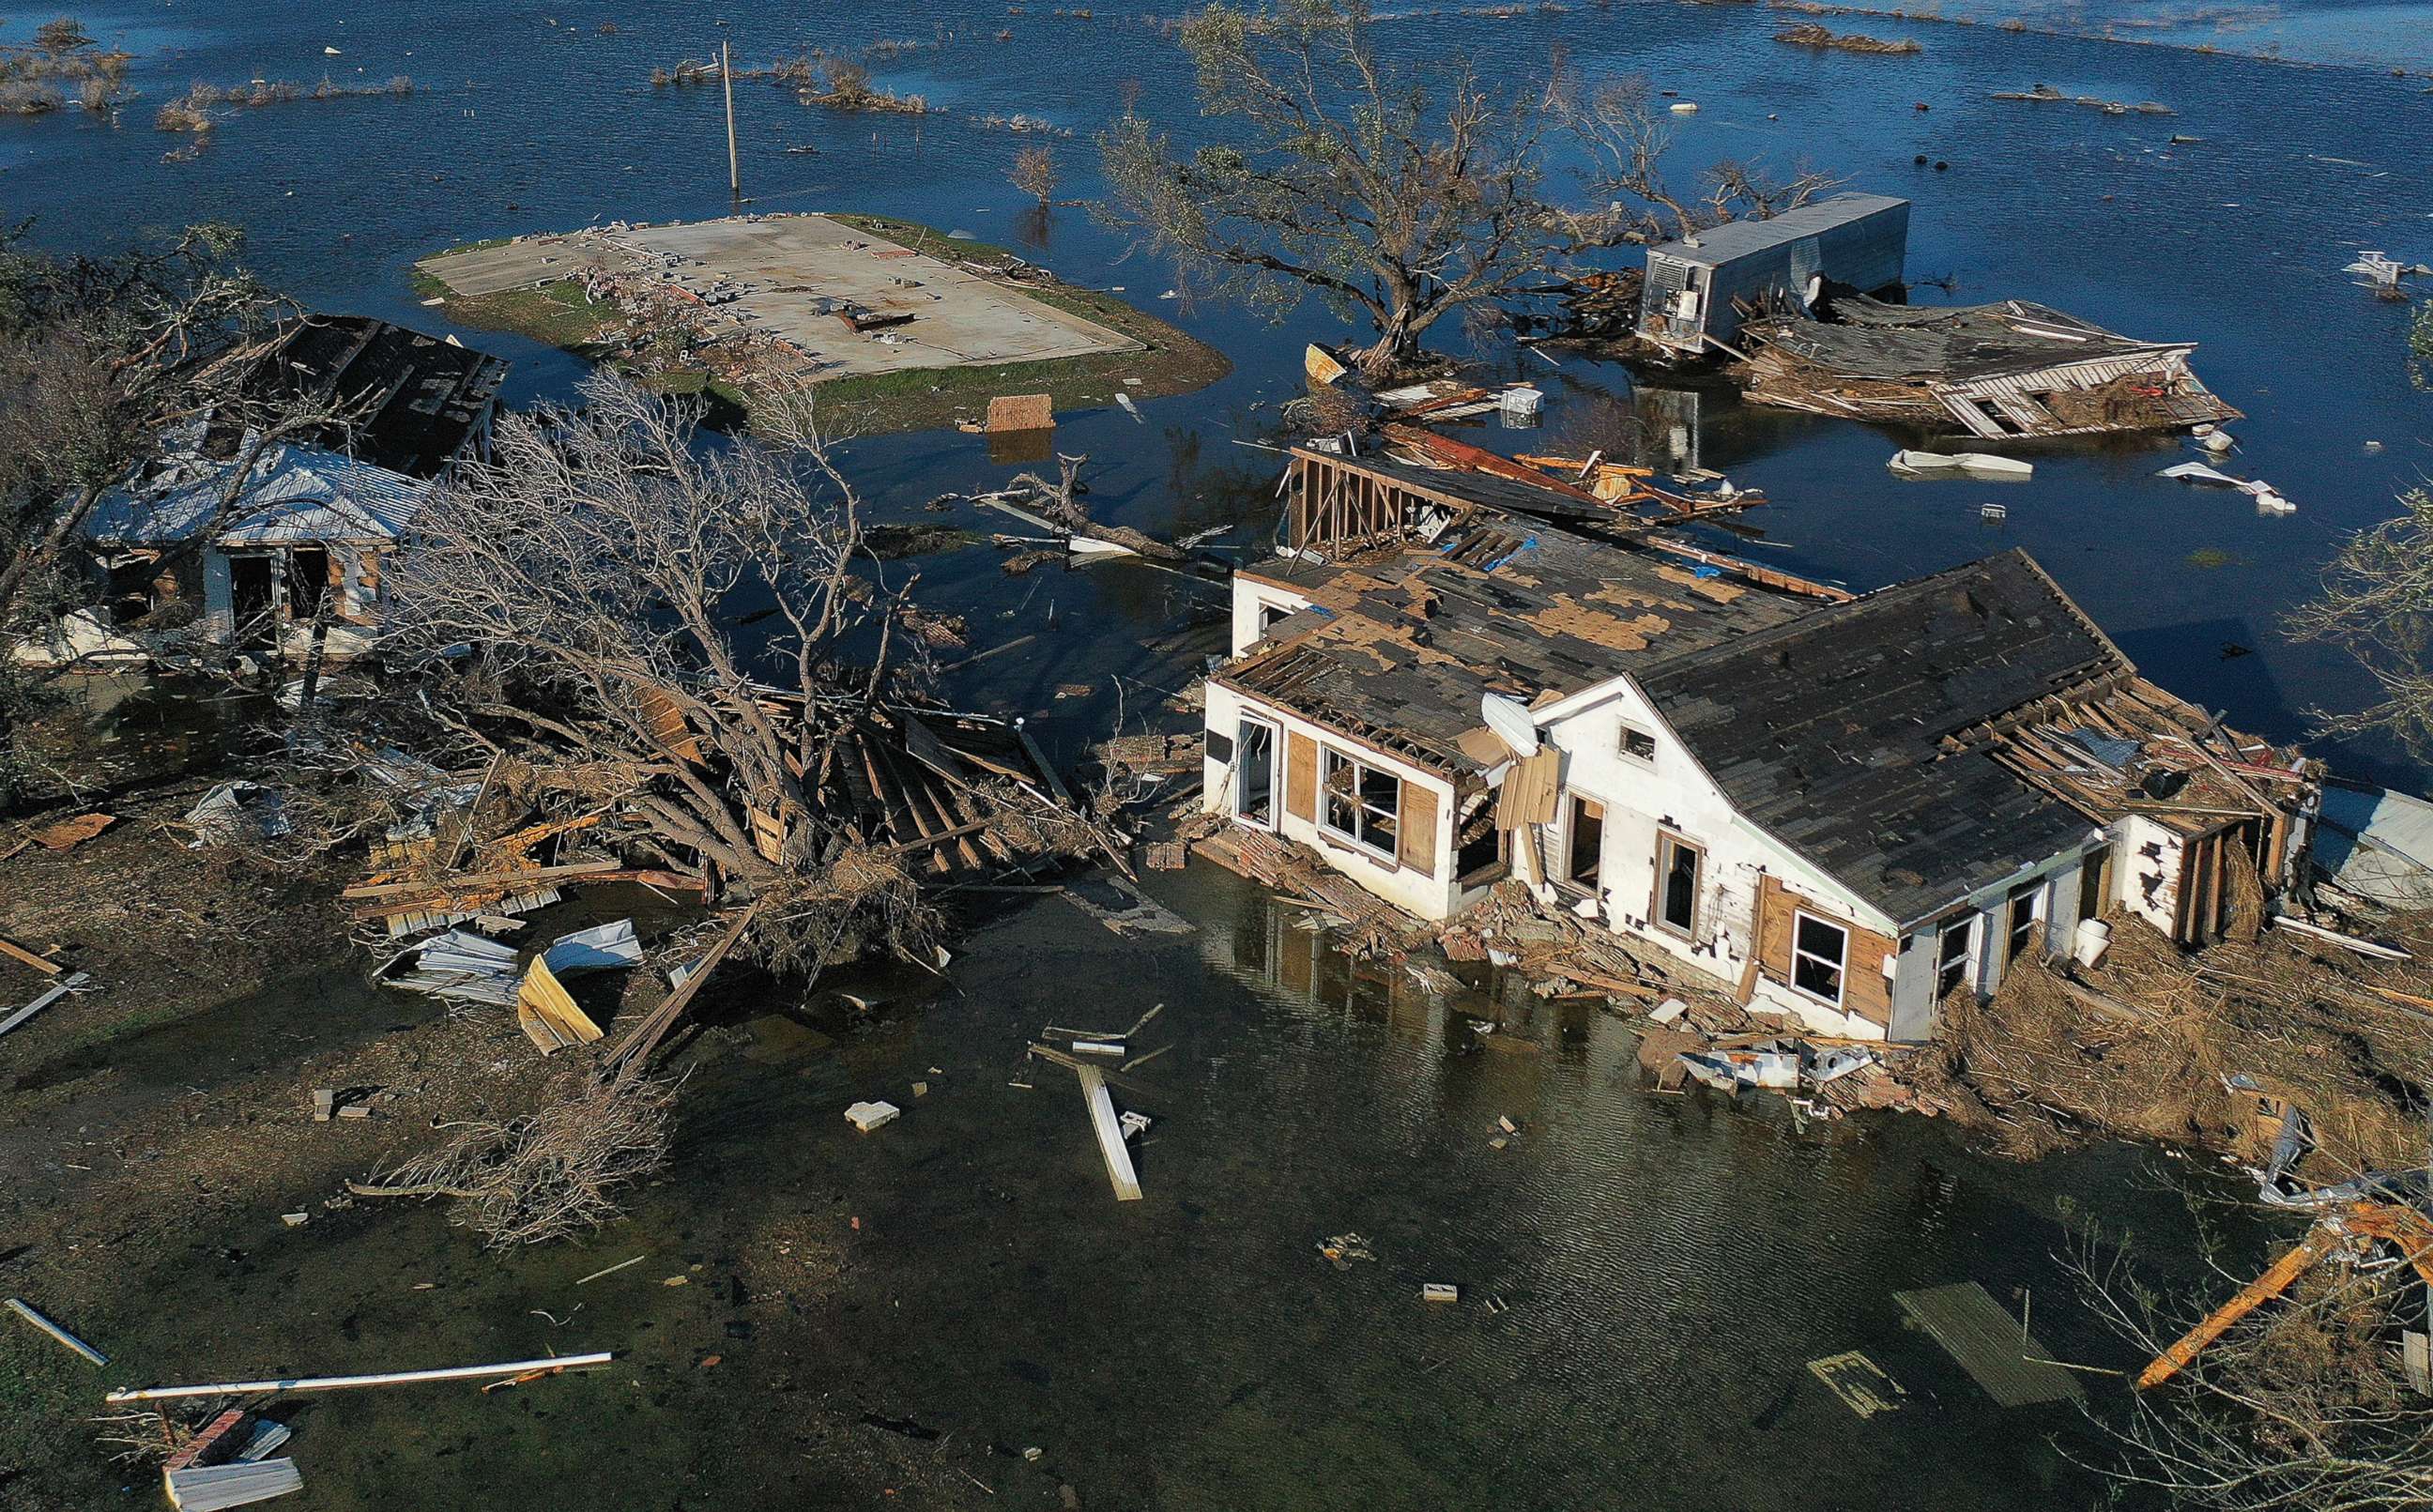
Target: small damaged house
point(1846, 807)
point(250, 562)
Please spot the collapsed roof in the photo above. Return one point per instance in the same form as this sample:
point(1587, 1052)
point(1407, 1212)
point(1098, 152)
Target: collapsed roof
point(2012, 368)
point(293, 494)
point(420, 401)
point(1399, 643)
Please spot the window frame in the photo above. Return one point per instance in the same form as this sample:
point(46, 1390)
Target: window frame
point(1242, 723)
point(1328, 756)
point(1594, 884)
point(2015, 936)
point(1622, 746)
point(1841, 967)
point(1667, 844)
point(1970, 960)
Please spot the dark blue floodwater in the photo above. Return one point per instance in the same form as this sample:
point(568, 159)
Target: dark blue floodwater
point(531, 117)
point(1671, 1264)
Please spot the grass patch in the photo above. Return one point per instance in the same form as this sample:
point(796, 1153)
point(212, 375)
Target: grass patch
point(2210, 558)
point(921, 398)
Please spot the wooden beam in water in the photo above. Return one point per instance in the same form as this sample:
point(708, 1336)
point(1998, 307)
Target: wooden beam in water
point(1111, 1134)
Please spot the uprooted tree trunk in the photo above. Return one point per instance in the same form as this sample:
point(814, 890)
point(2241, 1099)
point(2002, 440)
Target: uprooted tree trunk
point(1060, 501)
point(548, 1174)
point(598, 565)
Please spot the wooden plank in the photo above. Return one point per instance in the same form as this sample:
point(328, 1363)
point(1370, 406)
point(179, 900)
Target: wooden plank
point(1989, 1344)
point(1111, 1134)
point(26, 1310)
point(1415, 837)
point(18, 952)
point(473, 881)
point(2283, 1272)
point(1301, 776)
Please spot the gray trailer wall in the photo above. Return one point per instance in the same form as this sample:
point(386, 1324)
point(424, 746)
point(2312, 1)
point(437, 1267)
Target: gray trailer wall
point(1866, 253)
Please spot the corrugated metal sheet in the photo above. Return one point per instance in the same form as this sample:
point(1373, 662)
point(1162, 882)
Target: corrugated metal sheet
point(297, 494)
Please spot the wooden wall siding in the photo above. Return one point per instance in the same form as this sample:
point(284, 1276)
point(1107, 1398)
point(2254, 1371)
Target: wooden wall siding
point(1416, 836)
point(1301, 776)
point(1866, 989)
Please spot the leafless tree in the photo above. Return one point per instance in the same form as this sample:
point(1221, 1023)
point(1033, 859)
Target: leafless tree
point(1034, 173)
point(1401, 199)
point(2376, 605)
point(2304, 1405)
point(549, 1174)
point(1625, 129)
point(597, 563)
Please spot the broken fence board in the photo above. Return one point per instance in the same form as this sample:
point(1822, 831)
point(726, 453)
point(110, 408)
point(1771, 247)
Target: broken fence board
point(1110, 1130)
point(17, 952)
point(1989, 1343)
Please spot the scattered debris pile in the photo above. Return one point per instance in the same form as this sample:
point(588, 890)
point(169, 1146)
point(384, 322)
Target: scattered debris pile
point(2046, 94)
point(1809, 34)
point(1997, 371)
point(2229, 1049)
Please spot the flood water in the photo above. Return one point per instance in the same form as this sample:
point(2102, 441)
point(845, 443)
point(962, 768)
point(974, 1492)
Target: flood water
point(1670, 1264)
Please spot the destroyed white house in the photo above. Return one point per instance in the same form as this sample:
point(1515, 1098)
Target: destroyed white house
point(1699, 289)
point(1846, 808)
point(252, 561)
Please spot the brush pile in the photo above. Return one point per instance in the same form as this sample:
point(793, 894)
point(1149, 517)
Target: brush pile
point(2213, 1050)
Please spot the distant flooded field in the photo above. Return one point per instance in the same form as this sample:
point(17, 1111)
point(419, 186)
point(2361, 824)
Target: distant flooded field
point(958, 1287)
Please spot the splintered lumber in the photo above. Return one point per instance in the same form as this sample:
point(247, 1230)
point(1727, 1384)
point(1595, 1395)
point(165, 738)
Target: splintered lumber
point(2283, 1274)
point(26, 1310)
point(1110, 1130)
point(208, 1488)
point(57, 991)
point(17, 952)
point(1991, 1344)
point(550, 1016)
point(635, 1049)
point(474, 881)
point(350, 1383)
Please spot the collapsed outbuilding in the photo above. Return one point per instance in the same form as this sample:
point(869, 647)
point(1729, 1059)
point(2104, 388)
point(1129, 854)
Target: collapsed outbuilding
point(246, 537)
point(1995, 370)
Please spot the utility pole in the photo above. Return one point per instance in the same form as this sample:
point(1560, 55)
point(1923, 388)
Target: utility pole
point(726, 80)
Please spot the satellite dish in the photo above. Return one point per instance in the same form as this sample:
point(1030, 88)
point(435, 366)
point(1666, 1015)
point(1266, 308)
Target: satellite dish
point(1511, 721)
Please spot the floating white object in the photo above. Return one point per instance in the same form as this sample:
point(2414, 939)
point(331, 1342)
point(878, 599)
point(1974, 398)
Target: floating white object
point(2219, 441)
point(208, 1488)
point(1511, 722)
point(1440, 1291)
point(1106, 1048)
point(2093, 938)
point(1975, 464)
point(1129, 408)
point(1110, 1130)
point(1993, 511)
point(2269, 500)
point(866, 1116)
point(1522, 400)
point(1685, 107)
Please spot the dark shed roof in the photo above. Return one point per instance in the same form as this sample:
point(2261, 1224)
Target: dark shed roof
point(423, 399)
point(1825, 731)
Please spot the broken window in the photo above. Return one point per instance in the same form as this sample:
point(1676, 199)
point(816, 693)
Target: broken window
point(1586, 857)
point(1639, 745)
point(308, 580)
point(1480, 843)
point(1677, 863)
point(1818, 952)
point(1271, 615)
point(2025, 906)
point(1362, 803)
point(2094, 882)
point(1955, 955)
